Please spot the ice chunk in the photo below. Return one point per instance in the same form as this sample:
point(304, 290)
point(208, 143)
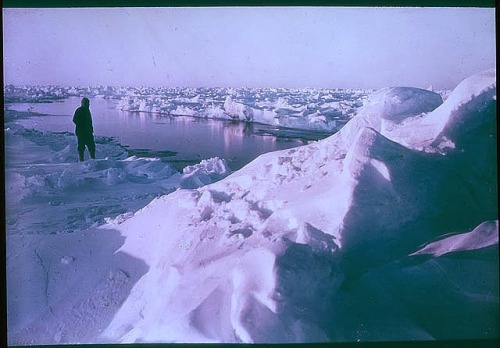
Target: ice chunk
point(238, 110)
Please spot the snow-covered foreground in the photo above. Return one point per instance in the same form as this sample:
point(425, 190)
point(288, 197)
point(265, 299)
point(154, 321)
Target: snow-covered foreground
point(42, 176)
point(387, 230)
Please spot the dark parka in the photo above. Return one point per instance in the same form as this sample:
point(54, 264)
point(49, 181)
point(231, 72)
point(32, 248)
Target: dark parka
point(84, 129)
point(83, 121)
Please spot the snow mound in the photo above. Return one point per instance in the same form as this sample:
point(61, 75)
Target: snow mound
point(472, 97)
point(265, 252)
point(392, 112)
point(439, 131)
point(204, 173)
point(397, 103)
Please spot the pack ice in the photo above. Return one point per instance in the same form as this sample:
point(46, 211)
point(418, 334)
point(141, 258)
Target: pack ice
point(386, 230)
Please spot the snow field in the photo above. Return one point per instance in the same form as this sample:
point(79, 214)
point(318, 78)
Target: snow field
point(66, 287)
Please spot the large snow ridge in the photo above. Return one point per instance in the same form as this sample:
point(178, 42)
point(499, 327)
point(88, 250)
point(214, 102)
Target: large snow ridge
point(386, 230)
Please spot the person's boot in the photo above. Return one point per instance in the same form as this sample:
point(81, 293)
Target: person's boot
point(92, 154)
point(81, 157)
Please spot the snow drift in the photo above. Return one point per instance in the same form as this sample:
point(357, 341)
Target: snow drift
point(375, 233)
point(263, 255)
point(204, 173)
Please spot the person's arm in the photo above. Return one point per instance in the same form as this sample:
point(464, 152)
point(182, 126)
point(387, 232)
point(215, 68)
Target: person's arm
point(91, 125)
point(75, 117)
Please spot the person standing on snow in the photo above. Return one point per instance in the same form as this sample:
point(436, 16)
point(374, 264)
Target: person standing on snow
point(84, 130)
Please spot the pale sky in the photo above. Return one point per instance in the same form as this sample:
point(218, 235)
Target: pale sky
point(326, 47)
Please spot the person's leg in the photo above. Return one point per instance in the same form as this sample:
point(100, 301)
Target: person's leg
point(81, 148)
point(91, 146)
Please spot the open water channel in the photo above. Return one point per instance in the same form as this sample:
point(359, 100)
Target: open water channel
point(179, 140)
